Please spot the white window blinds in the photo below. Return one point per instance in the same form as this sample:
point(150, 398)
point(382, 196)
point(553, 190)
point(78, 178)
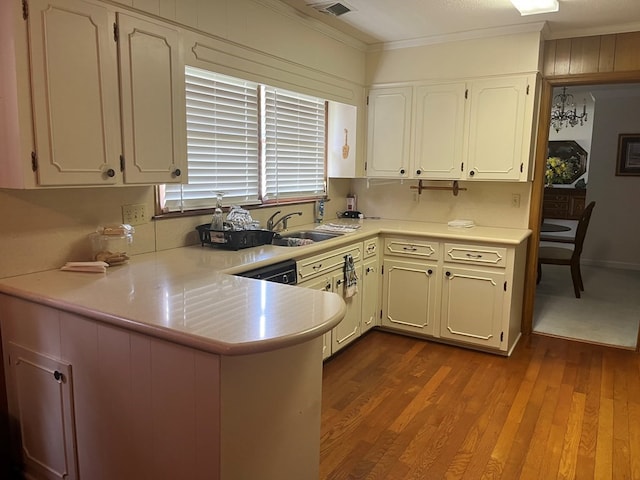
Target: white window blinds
point(228, 119)
point(294, 144)
point(222, 142)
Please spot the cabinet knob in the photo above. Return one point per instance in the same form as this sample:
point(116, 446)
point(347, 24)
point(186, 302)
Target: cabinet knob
point(402, 171)
point(111, 173)
point(327, 287)
point(57, 375)
point(472, 173)
point(430, 271)
point(177, 172)
point(448, 274)
point(418, 172)
point(338, 283)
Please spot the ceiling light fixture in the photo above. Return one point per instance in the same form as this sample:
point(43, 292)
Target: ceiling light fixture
point(532, 7)
point(563, 111)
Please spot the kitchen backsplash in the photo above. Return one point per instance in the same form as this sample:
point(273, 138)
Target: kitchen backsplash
point(486, 203)
point(43, 229)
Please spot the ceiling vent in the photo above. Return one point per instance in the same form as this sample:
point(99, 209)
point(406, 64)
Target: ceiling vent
point(332, 8)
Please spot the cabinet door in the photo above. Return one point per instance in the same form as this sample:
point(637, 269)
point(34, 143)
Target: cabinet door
point(499, 133)
point(370, 283)
point(388, 132)
point(439, 131)
point(349, 328)
point(322, 283)
point(410, 297)
point(472, 305)
point(153, 102)
point(42, 393)
point(75, 93)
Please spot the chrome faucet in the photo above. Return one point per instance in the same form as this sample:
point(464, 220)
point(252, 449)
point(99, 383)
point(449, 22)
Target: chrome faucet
point(272, 224)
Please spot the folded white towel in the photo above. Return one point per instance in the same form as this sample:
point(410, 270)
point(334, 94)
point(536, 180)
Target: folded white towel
point(337, 227)
point(91, 267)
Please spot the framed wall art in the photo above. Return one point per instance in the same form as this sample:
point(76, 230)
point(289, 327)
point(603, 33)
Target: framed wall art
point(628, 154)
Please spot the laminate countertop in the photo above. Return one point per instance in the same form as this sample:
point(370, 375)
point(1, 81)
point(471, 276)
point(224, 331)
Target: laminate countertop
point(187, 295)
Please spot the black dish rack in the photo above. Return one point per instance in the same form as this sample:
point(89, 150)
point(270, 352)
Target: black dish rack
point(232, 239)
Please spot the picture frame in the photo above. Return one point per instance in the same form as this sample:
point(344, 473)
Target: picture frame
point(628, 162)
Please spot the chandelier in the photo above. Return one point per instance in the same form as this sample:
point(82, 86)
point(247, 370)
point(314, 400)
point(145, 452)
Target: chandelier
point(563, 111)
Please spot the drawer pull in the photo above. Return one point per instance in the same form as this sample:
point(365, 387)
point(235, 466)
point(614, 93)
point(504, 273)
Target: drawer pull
point(471, 255)
point(316, 267)
point(57, 375)
point(409, 249)
point(371, 248)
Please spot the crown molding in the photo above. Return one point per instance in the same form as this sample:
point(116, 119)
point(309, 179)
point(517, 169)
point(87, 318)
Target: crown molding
point(537, 27)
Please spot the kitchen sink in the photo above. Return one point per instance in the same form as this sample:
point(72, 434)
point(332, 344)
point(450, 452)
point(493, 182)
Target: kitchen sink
point(302, 237)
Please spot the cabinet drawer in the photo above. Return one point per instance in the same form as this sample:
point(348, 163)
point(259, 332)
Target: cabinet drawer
point(476, 255)
point(325, 262)
point(416, 248)
point(370, 248)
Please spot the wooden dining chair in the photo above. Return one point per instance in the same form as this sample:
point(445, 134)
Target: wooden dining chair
point(552, 255)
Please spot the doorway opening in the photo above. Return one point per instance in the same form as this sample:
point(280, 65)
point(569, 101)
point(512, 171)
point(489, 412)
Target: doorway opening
point(608, 311)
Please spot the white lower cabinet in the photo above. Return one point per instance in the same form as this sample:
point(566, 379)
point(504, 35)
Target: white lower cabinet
point(410, 296)
point(43, 404)
point(324, 283)
point(471, 308)
point(349, 328)
point(468, 294)
point(370, 287)
point(325, 271)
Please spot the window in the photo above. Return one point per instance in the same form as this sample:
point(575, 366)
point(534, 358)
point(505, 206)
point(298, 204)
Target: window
point(253, 142)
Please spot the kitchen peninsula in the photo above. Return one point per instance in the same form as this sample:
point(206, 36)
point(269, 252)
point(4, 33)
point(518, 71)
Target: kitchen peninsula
point(172, 367)
point(165, 368)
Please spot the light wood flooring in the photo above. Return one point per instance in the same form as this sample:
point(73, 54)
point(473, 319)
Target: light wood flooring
point(395, 407)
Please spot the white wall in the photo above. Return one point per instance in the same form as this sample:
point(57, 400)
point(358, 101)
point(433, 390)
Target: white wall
point(515, 53)
point(614, 230)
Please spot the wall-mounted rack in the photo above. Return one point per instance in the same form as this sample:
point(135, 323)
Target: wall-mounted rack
point(454, 187)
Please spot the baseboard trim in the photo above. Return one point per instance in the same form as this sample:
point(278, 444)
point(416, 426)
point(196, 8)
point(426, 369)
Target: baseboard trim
point(610, 264)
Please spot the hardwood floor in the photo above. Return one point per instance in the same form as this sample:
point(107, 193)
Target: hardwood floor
point(399, 408)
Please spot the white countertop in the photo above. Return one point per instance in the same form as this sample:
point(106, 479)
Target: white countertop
point(185, 295)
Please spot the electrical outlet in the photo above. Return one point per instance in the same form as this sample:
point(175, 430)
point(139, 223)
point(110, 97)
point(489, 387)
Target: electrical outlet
point(515, 200)
point(134, 214)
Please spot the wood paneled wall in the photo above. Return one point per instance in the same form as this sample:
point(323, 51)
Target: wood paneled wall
point(597, 54)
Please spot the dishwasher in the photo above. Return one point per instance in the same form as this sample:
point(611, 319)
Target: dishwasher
point(281, 272)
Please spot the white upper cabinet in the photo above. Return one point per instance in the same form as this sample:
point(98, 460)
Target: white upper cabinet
point(499, 128)
point(389, 132)
point(74, 93)
point(439, 131)
point(89, 128)
point(153, 102)
point(477, 129)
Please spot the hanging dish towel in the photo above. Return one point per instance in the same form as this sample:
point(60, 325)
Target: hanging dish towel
point(350, 277)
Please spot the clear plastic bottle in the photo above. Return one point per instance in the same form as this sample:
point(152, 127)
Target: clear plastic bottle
point(217, 223)
point(319, 210)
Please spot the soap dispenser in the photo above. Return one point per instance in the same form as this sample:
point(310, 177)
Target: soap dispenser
point(217, 223)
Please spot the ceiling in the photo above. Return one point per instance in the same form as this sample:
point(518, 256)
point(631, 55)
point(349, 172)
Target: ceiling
point(391, 22)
